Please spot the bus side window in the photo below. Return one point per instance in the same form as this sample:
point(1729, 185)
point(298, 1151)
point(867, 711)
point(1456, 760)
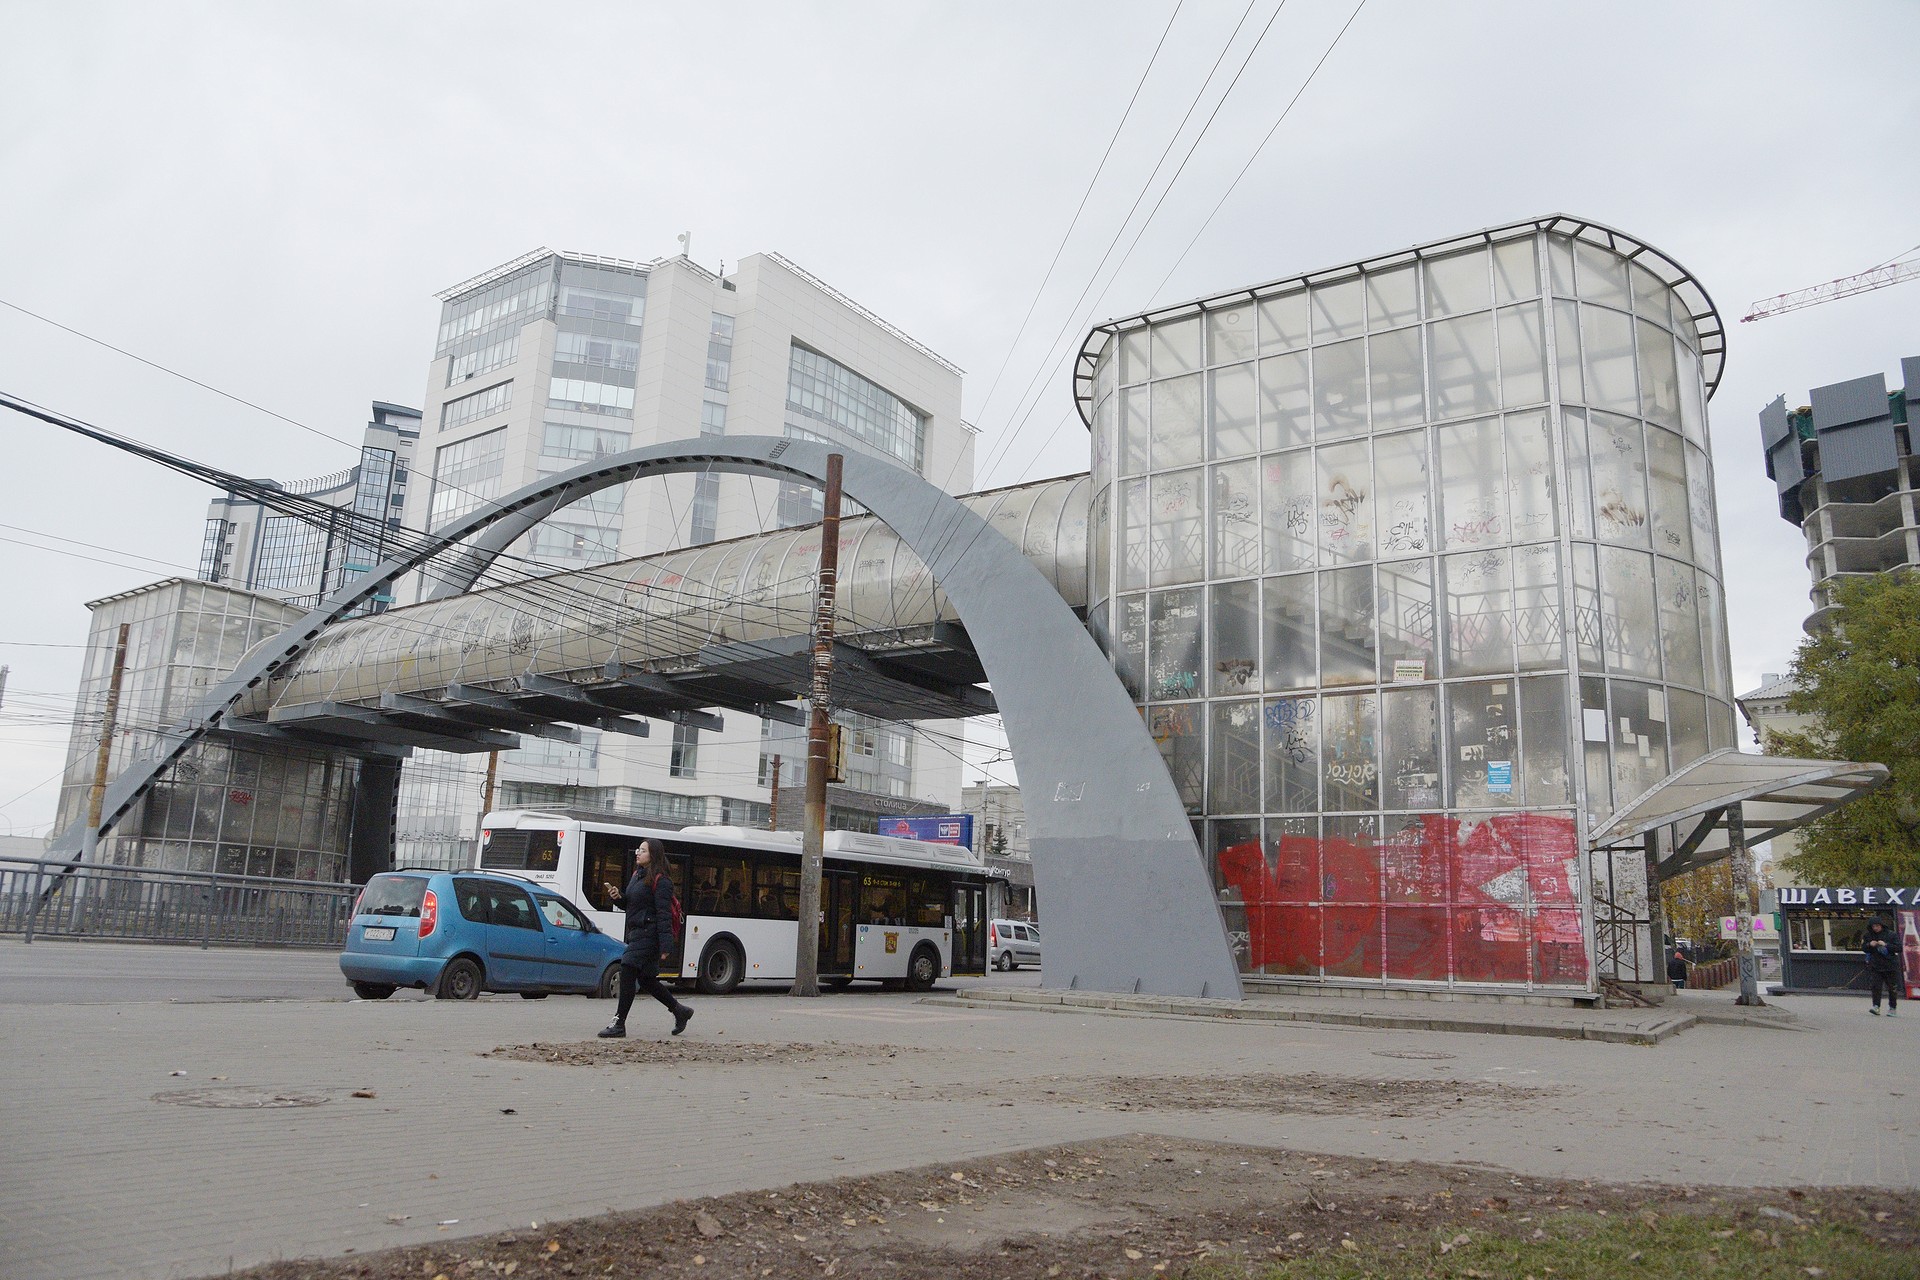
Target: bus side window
point(776, 894)
point(929, 901)
point(703, 896)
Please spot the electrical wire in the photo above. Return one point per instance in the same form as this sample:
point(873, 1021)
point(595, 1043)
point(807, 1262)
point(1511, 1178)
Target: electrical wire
point(175, 373)
point(1145, 187)
point(1260, 147)
point(1074, 221)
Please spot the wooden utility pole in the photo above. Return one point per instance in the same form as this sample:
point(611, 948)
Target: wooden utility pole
point(773, 801)
point(486, 804)
point(96, 797)
point(806, 961)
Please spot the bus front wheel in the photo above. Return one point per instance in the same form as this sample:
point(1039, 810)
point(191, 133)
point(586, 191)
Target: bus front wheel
point(721, 968)
point(923, 970)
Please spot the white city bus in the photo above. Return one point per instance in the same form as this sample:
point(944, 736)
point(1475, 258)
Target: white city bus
point(890, 910)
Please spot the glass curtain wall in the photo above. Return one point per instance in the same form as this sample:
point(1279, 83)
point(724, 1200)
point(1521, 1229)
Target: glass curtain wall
point(283, 812)
point(589, 408)
point(1413, 573)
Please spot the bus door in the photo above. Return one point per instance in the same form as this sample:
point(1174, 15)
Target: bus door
point(838, 893)
point(969, 928)
point(679, 868)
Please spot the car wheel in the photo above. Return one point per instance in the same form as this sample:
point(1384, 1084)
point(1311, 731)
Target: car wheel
point(609, 983)
point(372, 990)
point(721, 968)
point(534, 995)
point(923, 970)
point(1003, 962)
point(460, 980)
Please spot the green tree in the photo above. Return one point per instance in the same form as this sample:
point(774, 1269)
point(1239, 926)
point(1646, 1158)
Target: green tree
point(997, 843)
point(1859, 680)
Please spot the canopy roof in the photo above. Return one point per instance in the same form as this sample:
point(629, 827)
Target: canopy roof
point(1775, 793)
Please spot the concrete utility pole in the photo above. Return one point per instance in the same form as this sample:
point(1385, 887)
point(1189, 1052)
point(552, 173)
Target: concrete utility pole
point(773, 801)
point(1742, 906)
point(806, 961)
point(96, 796)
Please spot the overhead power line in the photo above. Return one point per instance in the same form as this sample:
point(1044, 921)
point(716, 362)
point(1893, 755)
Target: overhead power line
point(1067, 235)
point(175, 373)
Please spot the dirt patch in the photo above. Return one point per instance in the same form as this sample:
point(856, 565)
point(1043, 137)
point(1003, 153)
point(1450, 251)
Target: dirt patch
point(711, 1053)
point(1305, 1093)
point(1136, 1206)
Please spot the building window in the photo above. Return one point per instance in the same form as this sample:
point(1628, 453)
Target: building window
point(745, 813)
point(485, 359)
point(466, 475)
point(293, 557)
point(825, 391)
point(561, 540)
point(559, 440)
point(511, 302)
point(606, 353)
point(590, 397)
point(720, 352)
point(713, 418)
point(706, 508)
point(685, 761)
point(596, 304)
point(495, 399)
point(213, 546)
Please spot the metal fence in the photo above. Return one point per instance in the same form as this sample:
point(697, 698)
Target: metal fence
point(50, 898)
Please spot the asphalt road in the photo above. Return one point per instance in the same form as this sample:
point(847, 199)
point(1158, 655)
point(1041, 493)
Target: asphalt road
point(57, 972)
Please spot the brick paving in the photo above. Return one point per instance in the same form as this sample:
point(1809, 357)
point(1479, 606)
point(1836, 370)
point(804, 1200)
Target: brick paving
point(99, 1179)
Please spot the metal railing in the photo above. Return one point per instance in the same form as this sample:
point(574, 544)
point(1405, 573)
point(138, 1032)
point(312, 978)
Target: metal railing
point(55, 898)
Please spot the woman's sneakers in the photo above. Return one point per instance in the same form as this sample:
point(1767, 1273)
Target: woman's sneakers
point(681, 1017)
point(617, 1031)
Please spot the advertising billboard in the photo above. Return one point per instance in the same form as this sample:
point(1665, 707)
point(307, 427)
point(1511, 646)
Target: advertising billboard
point(940, 828)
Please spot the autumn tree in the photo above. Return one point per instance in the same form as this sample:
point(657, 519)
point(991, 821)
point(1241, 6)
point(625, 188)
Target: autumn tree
point(1693, 903)
point(1859, 679)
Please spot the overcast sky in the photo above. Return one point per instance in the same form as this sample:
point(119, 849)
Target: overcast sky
point(266, 197)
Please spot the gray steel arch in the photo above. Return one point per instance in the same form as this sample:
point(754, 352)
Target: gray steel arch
point(1130, 903)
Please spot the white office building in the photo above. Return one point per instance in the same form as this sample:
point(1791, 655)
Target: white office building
point(554, 358)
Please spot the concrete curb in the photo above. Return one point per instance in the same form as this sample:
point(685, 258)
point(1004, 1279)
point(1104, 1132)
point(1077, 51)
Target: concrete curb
point(1650, 1032)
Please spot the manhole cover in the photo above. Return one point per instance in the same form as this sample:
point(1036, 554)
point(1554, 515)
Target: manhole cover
point(242, 1097)
point(1418, 1055)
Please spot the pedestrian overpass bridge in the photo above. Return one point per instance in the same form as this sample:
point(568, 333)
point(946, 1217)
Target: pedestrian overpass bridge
point(667, 636)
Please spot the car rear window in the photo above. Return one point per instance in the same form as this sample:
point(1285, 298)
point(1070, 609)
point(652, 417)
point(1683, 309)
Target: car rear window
point(393, 896)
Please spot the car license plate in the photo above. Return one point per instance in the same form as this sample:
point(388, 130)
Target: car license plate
point(375, 933)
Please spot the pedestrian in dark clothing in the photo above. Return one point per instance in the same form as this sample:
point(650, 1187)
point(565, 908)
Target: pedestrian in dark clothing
point(1884, 965)
point(1676, 968)
point(648, 902)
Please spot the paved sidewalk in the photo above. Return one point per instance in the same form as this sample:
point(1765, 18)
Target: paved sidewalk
point(1616, 1026)
point(101, 1177)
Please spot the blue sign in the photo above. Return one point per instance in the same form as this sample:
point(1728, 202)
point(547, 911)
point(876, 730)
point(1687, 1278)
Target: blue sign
point(1500, 775)
point(941, 828)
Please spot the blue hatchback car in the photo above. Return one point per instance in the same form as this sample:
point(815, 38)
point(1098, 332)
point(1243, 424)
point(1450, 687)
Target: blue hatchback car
point(457, 934)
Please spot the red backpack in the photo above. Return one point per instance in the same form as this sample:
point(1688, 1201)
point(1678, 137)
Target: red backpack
point(679, 913)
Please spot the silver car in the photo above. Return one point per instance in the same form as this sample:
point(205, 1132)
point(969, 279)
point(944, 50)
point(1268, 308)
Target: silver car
point(1012, 943)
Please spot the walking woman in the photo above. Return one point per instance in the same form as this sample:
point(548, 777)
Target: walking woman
point(648, 902)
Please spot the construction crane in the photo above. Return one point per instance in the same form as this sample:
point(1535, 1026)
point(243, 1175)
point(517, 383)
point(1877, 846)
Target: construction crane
point(1904, 267)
